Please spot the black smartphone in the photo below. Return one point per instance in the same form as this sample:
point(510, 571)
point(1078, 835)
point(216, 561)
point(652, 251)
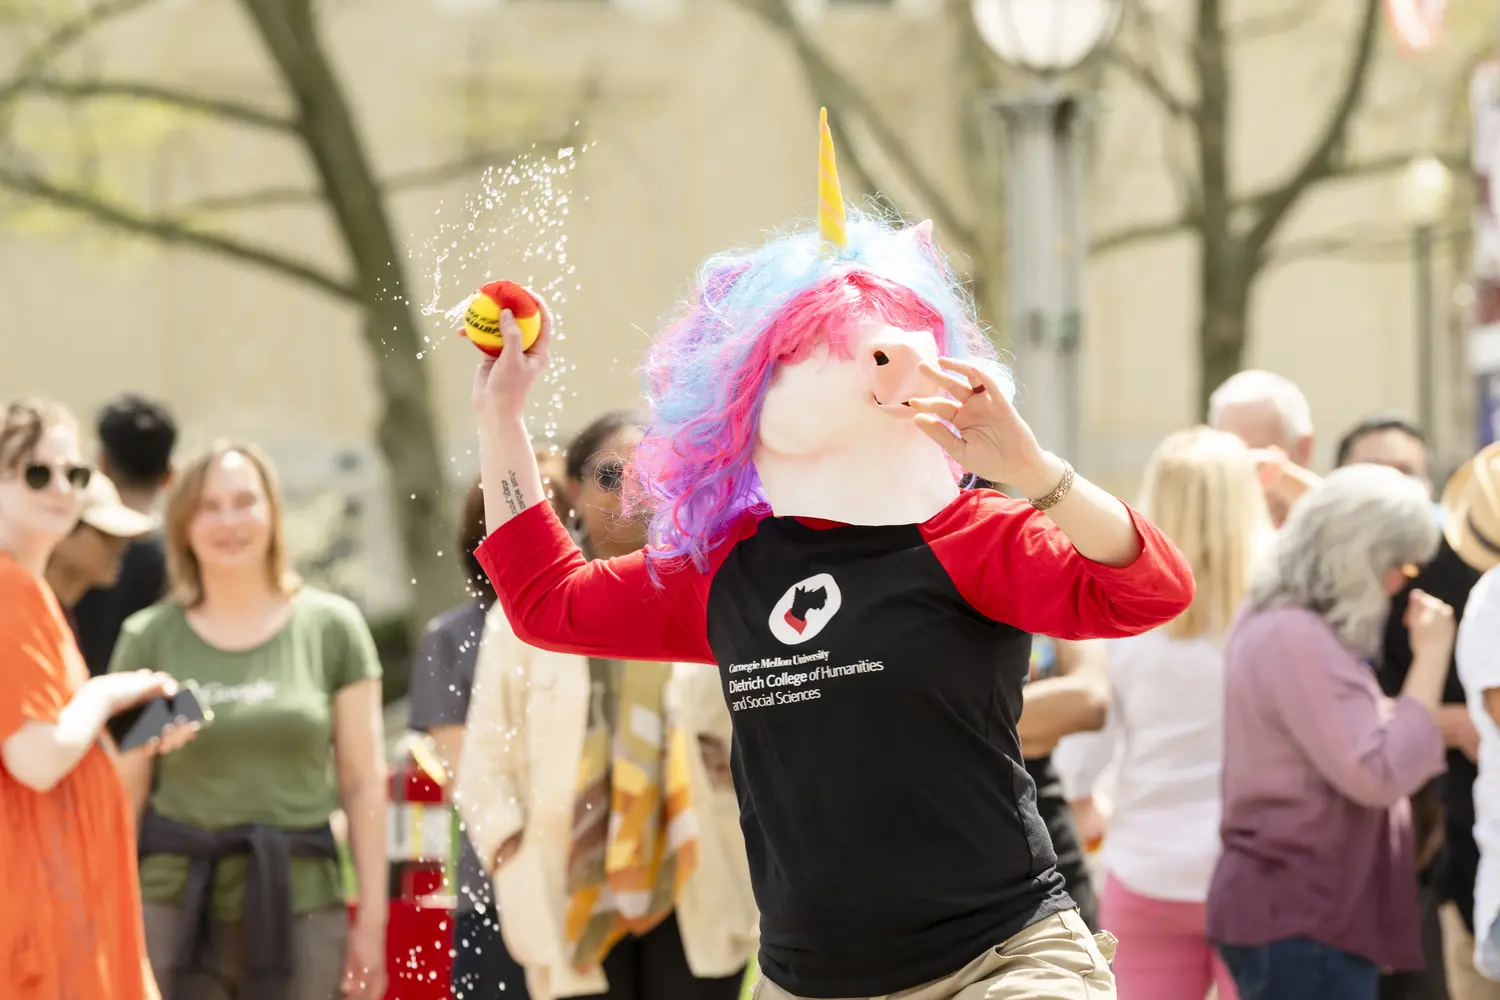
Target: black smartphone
point(137, 726)
point(188, 708)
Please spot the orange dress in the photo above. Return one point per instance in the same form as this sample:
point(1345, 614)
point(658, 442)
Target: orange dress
point(70, 906)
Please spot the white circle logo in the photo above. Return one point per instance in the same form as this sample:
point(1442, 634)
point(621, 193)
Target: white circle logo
point(805, 608)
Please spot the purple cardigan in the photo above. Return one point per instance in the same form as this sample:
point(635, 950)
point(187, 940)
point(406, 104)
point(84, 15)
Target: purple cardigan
point(1318, 764)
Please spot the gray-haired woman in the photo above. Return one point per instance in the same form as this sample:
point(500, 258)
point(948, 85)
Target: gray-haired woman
point(1315, 891)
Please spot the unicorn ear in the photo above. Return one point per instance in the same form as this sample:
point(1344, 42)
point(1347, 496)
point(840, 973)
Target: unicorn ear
point(922, 234)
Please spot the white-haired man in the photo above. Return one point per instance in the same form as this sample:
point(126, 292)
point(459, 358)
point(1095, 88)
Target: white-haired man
point(1265, 410)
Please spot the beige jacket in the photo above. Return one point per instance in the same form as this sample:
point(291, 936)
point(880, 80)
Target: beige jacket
point(527, 718)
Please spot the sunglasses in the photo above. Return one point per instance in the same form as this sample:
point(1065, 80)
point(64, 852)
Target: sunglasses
point(610, 475)
point(39, 476)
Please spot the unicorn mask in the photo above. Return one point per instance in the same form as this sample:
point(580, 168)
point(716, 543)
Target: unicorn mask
point(785, 379)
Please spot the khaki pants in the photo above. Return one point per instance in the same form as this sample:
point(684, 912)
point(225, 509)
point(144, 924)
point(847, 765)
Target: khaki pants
point(1053, 959)
point(318, 944)
point(1464, 981)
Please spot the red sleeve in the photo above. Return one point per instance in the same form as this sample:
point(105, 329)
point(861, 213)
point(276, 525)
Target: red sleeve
point(555, 599)
point(1014, 565)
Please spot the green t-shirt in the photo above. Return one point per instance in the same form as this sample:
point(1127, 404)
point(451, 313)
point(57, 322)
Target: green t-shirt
point(267, 757)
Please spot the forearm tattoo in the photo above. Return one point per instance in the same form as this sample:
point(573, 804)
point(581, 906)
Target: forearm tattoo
point(510, 490)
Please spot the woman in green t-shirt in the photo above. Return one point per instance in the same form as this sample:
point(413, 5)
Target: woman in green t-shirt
point(239, 868)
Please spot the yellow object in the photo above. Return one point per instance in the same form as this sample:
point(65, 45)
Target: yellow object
point(482, 325)
point(426, 759)
point(830, 198)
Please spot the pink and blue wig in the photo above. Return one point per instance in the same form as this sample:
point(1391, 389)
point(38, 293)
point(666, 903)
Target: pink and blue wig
point(706, 375)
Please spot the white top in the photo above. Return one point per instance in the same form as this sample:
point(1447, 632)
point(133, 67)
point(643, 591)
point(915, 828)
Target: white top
point(1165, 731)
point(1478, 651)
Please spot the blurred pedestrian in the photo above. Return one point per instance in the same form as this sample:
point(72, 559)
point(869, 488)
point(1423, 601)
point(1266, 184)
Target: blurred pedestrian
point(441, 686)
point(1265, 410)
point(1471, 531)
point(1386, 439)
point(71, 923)
point(240, 870)
point(92, 553)
point(136, 439)
point(1315, 889)
point(1392, 440)
point(1478, 655)
point(1067, 693)
point(1165, 726)
point(549, 764)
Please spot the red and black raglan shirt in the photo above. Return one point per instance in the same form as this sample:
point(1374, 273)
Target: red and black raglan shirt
point(874, 676)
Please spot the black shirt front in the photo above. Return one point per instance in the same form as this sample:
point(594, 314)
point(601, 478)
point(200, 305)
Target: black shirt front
point(878, 737)
point(102, 611)
point(1449, 579)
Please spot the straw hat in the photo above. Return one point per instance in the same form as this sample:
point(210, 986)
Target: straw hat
point(103, 511)
point(1471, 510)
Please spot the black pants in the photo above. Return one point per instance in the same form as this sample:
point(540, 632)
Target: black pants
point(1430, 983)
point(482, 967)
point(654, 967)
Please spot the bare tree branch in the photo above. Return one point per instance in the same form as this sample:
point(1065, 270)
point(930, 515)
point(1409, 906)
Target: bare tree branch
point(409, 180)
point(35, 62)
point(83, 90)
point(1127, 236)
point(828, 79)
point(1384, 163)
point(1151, 82)
point(1320, 162)
point(69, 33)
point(1379, 246)
point(171, 232)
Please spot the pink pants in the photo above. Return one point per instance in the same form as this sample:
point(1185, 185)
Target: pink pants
point(1163, 952)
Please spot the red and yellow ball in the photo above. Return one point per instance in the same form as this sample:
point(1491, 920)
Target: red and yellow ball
point(482, 317)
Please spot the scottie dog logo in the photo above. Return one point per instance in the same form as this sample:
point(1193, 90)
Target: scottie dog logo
point(803, 601)
point(804, 609)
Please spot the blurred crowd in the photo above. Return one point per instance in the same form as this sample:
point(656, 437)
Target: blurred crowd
point(1292, 790)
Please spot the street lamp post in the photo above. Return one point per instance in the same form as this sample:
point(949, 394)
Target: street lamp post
point(1426, 195)
point(1046, 230)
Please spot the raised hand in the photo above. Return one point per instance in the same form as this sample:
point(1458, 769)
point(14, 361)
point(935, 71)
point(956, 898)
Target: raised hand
point(129, 689)
point(992, 440)
point(502, 383)
point(1431, 628)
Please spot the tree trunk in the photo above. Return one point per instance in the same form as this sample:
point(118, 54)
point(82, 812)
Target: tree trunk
point(407, 432)
point(1223, 323)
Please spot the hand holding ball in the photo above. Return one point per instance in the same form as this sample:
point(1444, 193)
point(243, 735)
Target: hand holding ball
point(482, 317)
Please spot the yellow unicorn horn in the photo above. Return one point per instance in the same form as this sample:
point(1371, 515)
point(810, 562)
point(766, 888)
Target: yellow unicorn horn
point(830, 198)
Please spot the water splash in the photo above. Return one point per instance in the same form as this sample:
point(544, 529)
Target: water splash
point(512, 226)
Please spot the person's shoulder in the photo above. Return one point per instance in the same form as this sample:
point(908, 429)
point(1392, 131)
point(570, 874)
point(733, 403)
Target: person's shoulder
point(32, 598)
point(460, 622)
point(151, 620)
point(16, 584)
point(1282, 630)
point(981, 511)
point(1486, 590)
point(1482, 615)
point(1278, 617)
point(327, 608)
point(744, 524)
